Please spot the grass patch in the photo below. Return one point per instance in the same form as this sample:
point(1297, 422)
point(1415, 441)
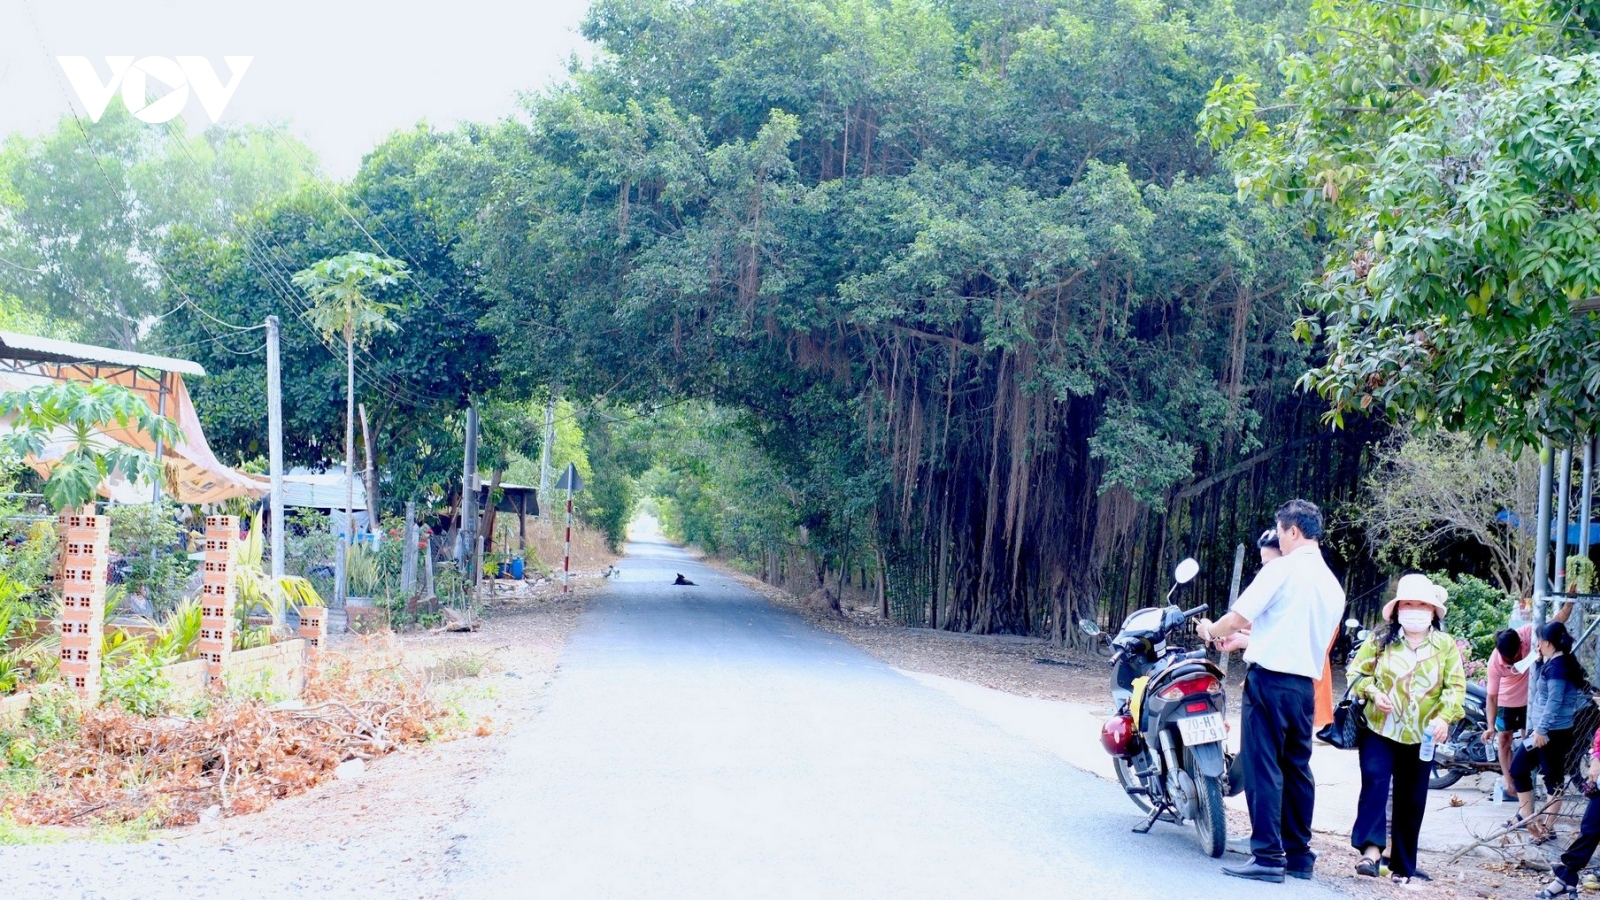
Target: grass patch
point(13, 835)
point(461, 664)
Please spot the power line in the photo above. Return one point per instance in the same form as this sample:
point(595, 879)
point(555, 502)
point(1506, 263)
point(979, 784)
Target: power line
point(282, 286)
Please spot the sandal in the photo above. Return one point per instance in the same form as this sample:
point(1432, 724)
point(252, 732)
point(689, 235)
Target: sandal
point(1557, 889)
point(1367, 867)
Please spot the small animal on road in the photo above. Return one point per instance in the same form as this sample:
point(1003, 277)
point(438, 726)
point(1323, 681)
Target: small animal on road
point(682, 580)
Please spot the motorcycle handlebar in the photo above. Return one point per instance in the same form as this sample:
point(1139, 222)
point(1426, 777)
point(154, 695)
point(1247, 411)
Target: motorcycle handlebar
point(1191, 613)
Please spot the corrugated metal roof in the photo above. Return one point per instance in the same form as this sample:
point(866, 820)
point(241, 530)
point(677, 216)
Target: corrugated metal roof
point(41, 349)
point(321, 491)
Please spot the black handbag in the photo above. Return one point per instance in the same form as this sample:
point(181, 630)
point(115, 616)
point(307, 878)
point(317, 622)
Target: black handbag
point(1349, 718)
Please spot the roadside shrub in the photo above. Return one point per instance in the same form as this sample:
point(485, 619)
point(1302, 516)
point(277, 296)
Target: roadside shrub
point(1476, 611)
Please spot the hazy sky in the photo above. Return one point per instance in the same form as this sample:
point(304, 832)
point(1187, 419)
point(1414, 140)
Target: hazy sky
point(344, 74)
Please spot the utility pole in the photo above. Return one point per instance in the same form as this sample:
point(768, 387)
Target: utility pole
point(549, 438)
point(1541, 555)
point(408, 556)
point(275, 456)
point(1564, 514)
point(1585, 511)
point(1586, 503)
point(466, 542)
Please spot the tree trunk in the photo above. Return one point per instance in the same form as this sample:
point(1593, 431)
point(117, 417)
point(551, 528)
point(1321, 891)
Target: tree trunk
point(883, 586)
point(488, 511)
point(372, 471)
point(349, 531)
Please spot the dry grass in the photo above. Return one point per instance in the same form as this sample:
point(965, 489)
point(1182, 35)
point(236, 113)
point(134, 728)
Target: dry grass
point(237, 754)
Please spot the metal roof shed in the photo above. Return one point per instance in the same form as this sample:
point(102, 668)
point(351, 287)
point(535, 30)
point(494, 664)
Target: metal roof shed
point(27, 360)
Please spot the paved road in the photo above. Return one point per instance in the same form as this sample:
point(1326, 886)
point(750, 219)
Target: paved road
point(700, 743)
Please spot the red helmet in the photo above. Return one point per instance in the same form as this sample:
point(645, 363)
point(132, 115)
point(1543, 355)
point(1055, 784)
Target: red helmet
point(1116, 735)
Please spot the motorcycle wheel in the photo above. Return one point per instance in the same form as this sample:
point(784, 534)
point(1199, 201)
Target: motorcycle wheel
point(1130, 782)
point(1443, 778)
point(1210, 822)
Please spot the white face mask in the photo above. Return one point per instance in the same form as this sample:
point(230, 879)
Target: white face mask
point(1415, 620)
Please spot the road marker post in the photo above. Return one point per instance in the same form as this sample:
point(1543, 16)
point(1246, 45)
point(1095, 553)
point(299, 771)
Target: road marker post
point(570, 481)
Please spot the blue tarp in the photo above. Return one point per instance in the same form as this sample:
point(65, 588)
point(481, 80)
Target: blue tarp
point(1574, 529)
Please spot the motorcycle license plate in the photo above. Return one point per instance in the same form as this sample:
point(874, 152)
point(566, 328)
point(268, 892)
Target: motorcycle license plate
point(1206, 729)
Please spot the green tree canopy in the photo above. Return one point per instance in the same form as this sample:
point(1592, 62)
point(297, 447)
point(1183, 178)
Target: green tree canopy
point(84, 210)
point(961, 264)
point(1449, 150)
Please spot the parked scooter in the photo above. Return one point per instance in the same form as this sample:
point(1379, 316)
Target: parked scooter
point(1465, 752)
point(1168, 738)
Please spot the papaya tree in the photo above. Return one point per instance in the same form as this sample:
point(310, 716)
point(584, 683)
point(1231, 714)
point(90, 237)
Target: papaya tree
point(77, 414)
point(344, 306)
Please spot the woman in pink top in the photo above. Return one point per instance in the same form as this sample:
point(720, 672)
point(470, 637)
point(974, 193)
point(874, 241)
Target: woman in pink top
point(1507, 706)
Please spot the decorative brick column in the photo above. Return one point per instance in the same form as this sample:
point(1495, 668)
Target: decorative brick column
point(217, 595)
point(85, 546)
point(314, 626)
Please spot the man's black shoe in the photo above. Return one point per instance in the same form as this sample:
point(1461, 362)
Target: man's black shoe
point(1256, 872)
point(1300, 866)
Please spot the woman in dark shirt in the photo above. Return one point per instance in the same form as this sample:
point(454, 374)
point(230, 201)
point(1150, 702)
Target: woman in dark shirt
point(1553, 702)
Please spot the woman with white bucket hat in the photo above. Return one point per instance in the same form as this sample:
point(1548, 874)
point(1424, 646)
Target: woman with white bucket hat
point(1411, 676)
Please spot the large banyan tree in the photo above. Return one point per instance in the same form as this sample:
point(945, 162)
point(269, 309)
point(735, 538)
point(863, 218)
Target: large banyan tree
point(985, 298)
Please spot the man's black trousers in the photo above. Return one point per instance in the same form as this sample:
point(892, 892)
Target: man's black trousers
point(1275, 758)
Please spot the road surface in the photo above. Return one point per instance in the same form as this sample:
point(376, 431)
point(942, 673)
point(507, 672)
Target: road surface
point(699, 742)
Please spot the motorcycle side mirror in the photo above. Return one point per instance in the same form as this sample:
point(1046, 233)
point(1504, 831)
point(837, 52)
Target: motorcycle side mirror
point(1088, 626)
point(1363, 634)
point(1186, 571)
point(1352, 623)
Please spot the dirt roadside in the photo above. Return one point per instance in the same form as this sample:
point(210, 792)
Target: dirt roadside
point(386, 831)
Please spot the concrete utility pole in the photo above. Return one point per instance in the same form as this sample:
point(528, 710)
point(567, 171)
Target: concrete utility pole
point(1541, 539)
point(1564, 514)
point(408, 555)
point(1586, 501)
point(544, 452)
point(466, 539)
point(275, 449)
point(1585, 510)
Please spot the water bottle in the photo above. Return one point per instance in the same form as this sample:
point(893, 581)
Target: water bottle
point(1426, 754)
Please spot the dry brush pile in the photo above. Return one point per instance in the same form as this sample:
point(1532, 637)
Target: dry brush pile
point(235, 754)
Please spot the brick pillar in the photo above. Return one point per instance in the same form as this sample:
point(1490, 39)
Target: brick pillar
point(85, 554)
point(314, 626)
point(217, 595)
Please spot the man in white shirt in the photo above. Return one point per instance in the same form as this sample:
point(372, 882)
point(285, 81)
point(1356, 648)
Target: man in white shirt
point(1293, 609)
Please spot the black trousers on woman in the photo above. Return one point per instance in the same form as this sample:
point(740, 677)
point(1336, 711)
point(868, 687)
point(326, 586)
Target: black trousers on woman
point(1577, 857)
point(1385, 763)
point(1551, 758)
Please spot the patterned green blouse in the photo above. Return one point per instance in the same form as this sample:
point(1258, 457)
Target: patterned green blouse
point(1427, 684)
